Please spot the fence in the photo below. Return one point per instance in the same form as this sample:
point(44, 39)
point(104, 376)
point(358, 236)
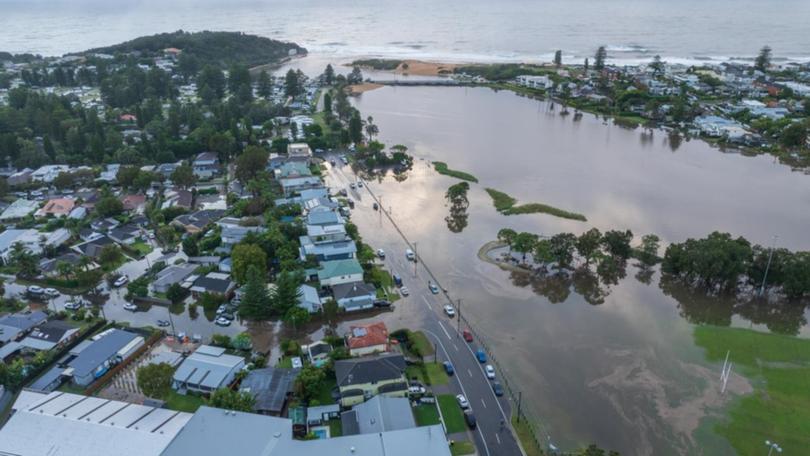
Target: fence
point(539, 433)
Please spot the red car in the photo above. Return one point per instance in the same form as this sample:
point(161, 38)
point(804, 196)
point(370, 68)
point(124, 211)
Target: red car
point(467, 335)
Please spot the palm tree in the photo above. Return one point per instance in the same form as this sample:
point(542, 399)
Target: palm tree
point(64, 269)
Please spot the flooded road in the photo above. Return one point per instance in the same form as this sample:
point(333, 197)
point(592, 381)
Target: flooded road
point(621, 371)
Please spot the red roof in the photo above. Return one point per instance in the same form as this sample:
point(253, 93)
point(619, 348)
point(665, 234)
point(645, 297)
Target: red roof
point(362, 336)
point(132, 202)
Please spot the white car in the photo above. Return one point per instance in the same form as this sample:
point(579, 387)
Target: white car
point(381, 254)
point(121, 281)
point(73, 306)
point(462, 402)
point(404, 291)
point(52, 292)
point(490, 372)
point(222, 321)
point(410, 255)
point(449, 310)
point(35, 290)
point(130, 306)
point(415, 389)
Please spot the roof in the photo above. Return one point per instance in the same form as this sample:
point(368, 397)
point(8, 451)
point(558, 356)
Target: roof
point(330, 249)
point(269, 386)
point(131, 202)
point(24, 321)
point(52, 331)
point(367, 335)
point(336, 268)
point(206, 156)
point(369, 369)
point(378, 414)
point(199, 219)
point(44, 383)
point(216, 432)
point(323, 218)
point(212, 282)
point(353, 290)
point(100, 351)
point(57, 206)
point(174, 274)
point(208, 367)
point(93, 247)
point(422, 441)
point(19, 209)
point(58, 424)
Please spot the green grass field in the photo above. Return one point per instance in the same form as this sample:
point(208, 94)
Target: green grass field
point(506, 205)
point(422, 343)
point(335, 428)
point(433, 374)
point(460, 448)
point(188, 403)
point(452, 414)
point(779, 370)
point(441, 168)
point(426, 414)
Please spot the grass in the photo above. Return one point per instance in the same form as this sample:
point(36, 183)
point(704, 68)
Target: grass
point(506, 205)
point(382, 279)
point(524, 433)
point(141, 247)
point(462, 447)
point(433, 373)
point(452, 414)
point(188, 403)
point(426, 414)
point(324, 394)
point(779, 369)
point(441, 168)
point(285, 363)
point(335, 428)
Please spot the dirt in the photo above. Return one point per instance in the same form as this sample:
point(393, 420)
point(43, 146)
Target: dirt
point(357, 89)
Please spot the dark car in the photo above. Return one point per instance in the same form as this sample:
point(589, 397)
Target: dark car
point(482, 357)
point(497, 388)
point(382, 303)
point(468, 337)
point(469, 417)
point(397, 280)
point(449, 368)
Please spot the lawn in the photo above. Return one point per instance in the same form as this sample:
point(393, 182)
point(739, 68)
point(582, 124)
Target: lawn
point(441, 168)
point(324, 395)
point(285, 363)
point(141, 247)
point(779, 369)
point(188, 403)
point(422, 343)
point(462, 447)
point(433, 374)
point(506, 205)
point(335, 428)
point(452, 414)
point(426, 414)
point(382, 279)
point(524, 433)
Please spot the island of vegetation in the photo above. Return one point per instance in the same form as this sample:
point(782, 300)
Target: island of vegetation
point(441, 168)
point(506, 205)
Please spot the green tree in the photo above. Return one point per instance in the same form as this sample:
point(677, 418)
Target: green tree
point(109, 206)
point(250, 163)
point(255, 304)
point(327, 102)
point(25, 261)
point(599, 58)
point(155, 380)
point(287, 292)
point(309, 382)
point(183, 176)
point(657, 66)
point(794, 135)
point(562, 247)
point(355, 77)
point(648, 252)
point(110, 254)
point(228, 399)
point(617, 243)
point(264, 87)
point(524, 243)
point(763, 60)
point(126, 175)
point(356, 128)
point(191, 247)
point(243, 257)
point(241, 341)
point(296, 316)
point(558, 58)
point(176, 293)
point(797, 275)
point(588, 243)
point(292, 84)
point(329, 74)
point(507, 235)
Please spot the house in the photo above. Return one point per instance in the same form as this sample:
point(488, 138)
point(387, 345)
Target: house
point(177, 198)
point(535, 82)
point(319, 204)
point(292, 185)
point(197, 221)
point(320, 414)
point(309, 299)
point(293, 169)
point(93, 247)
point(299, 150)
point(324, 218)
point(134, 203)
point(318, 352)
point(105, 351)
point(234, 230)
point(342, 250)
point(171, 275)
point(217, 283)
point(49, 267)
point(206, 165)
point(367, 339)
point(206, 370)
point(271, 388)
point(33, 241)
point(336, 272)
point(14, 326)
point(378, 414)
point(360, 379)
point(57, 207)
point(110, 173)
point(166, 169)
point(54, 333)
point(354, 295)
point(326, 233)
point(48, 173)
point(104, 225)
point(126, 234)
point(20, 177)
point(19, 209)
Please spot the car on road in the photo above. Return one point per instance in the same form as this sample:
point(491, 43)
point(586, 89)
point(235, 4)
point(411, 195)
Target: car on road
point(497, 389)
point(359, 184)
point(449, 310)
point(404, 291)
point(35, 290)
point(343, 192)
point(410, 255)
point(352, 186)
point(462, 402)
point(469, 417)
point(381, 254)
point(397, 280)
point(344, 159)
point(468, 337)
point(130, 306)
point(490, 372)
point(332, 162)
point(52, 292)
point(222, 321)
point(382, 303)
point(121, 281)
point(482, 357)
point(162, 323)
point(448, 368)
point(72, 305)
point(433, 288)
point(375, 206)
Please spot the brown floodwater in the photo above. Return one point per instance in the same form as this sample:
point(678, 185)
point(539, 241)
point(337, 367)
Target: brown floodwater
point(609, 360)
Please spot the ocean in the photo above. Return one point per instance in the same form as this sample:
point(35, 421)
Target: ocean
point(633, 31)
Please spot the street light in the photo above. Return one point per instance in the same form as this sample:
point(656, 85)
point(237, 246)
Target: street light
point(772, 446)
point(768, 267)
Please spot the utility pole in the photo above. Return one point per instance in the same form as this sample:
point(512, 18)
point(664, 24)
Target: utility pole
point(768, 267)
point(379, 197)
point(415, 258)
point(520, 399)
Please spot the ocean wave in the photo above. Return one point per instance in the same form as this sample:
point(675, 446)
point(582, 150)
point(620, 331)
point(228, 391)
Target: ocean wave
point(626, 48)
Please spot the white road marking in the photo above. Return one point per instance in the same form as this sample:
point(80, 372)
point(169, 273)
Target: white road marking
point(469, 372)
point(445, 331)
point(455, 346)
point(482, 401)
point(497, 438)
point(486, 448)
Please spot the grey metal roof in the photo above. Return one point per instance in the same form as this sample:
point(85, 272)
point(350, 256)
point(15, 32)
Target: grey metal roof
point(269, 386)
point(174, 274)
point(47, 381)
point(380, 414)
point(207, 369)
point(100, 351)
point(24, 321)
point(369, 369)
point(353, 290)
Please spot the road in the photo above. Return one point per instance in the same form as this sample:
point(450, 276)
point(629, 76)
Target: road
point(491, 437)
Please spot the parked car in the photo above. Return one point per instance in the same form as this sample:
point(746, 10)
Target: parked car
point(410, 255)
point(162, 323)
point(121, 281)
point(381, 254)
point(352, 186)
point(482, 357)
point(490, 371)
point(497, 388)
point(222, 321)
point(52, 292)
point(468, 337)
point(449, 310)
point(382, 303)
point(359, 184)
point(448, 367)
point(130, 306)
point(375, 206)
point(462, 402)
point(416, 390)
point(35, 290)
point(228, 316)
point(404, 291)
point(433, 288)
point(73, 305)
point(469, 417)
point(397, 280)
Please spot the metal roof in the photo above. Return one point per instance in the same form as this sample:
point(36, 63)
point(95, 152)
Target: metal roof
point(207, 367)
point(270, 387)
point(100, 351)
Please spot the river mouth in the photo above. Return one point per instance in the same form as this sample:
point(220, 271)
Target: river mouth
point(621, 371)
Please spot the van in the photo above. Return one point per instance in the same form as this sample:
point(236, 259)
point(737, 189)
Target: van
point(410, 255)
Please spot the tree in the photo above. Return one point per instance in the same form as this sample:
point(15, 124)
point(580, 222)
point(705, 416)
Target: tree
point(243, 257)
point(176, 293)
point(617, 243)
point(330, 310)
point(287, 292)
point(126, 175)
point(558, 58)
point(26, 262)
point(794, 135)
point(327, 102)
point(211, 84)
point(657, 66)
point(109, 254)
point(155, 380)
point(561, 247)
point(242, 341)
point(355, 77)
point(585, 66)
point(599, 58)
point(191, 247)
point(797, 275)
point(296, 316)
point(250, 163)
point(183, 176)
point(329, 74)
point(264, 87)
point(109, 206)
point(309, 381)
point(292, 85)
point(523, 243)
point(507, 235)
point(228, 399)
point(371, 129)
point(588, 243)
point(763, 60)
point(648, 252)
point(356, 128)
point(255, 304)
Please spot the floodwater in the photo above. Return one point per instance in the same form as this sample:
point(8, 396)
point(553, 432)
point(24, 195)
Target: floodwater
point(604, 360)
